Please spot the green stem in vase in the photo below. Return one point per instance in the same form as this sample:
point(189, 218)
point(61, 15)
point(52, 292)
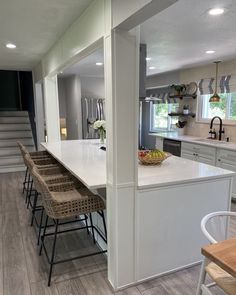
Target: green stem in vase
point(102, 135)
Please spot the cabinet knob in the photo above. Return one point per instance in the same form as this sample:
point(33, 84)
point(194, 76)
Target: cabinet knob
point(219, 160)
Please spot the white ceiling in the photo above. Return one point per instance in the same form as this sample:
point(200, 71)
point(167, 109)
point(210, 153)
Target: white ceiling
point(179, 36)
point(87, 67)
point(176, 38)
point(34, 26)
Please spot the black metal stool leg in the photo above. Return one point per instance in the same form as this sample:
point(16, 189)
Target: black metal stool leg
point(53, 253)
point(24, 182)
point(34, 207)
point(104, 223)
point(40, 226)
point(42, 238)
point(30, 193)
point(27, 188)
point(86, 223)
point(91, 222)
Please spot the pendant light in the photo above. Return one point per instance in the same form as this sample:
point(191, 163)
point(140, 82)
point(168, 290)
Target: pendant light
point(215, 97)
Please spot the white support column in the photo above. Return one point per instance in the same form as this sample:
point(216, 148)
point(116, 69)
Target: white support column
point(121, 92)
point(52, 109)
point(39, 113)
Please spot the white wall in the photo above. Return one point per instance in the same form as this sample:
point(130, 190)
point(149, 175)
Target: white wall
point(163, 79)
point(185, 76)
point(195, 74)
point(92, 87)
point(73, 107)
point(62, 97)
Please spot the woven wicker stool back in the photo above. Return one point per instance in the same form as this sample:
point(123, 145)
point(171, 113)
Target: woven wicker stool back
point(28, 161)
point(77, 202)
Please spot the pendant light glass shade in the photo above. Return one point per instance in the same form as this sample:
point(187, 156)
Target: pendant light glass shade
point(215, 97)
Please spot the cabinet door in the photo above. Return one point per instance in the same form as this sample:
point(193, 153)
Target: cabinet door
point(228, 166)
point(159, 143)
point(206, 160)
point(189, 156)
point(204, 154)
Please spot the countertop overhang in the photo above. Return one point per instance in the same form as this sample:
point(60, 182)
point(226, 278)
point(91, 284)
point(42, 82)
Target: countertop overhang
point(85, 160)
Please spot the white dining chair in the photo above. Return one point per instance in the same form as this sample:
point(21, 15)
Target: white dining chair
point(215, 228)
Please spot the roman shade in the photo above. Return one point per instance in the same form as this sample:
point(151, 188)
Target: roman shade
point(226, 84)
point(160, 95)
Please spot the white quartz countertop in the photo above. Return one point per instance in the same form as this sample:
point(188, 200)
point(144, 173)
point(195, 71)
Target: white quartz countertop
point(87, 162)
point(197, 140)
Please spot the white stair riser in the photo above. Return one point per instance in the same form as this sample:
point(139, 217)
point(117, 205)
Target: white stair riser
point(28, 142)
point(12, 151)
point(15, 134)
point(13, 160)
point(12, 168)
point(14, 120)
point(14, 114)
point(15, 127)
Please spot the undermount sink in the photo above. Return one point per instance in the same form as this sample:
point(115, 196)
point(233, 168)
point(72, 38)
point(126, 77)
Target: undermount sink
point(207, 140)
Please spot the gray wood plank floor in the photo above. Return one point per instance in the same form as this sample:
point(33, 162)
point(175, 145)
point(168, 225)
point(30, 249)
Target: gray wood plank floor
point(23, 272)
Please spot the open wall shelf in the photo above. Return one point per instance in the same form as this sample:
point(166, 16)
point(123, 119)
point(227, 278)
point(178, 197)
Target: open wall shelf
point(181, 96)
point(182, 115)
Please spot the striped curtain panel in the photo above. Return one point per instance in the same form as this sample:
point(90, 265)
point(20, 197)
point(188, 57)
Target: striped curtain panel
point(226, 84)
point(160, 95)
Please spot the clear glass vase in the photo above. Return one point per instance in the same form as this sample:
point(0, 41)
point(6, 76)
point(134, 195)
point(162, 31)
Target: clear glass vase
point(102, 136)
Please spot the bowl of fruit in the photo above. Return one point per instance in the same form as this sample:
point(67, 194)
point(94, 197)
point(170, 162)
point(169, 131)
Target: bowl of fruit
point(152, 157)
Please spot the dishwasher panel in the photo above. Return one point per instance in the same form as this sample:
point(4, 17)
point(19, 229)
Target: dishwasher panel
point(172, 146)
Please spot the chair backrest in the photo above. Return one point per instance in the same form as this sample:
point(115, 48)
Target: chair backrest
point(28, 161)
point(215, 226)
point(43, 189)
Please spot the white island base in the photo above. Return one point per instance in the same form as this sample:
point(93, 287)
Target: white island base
point(157, 230)
point(168, 234)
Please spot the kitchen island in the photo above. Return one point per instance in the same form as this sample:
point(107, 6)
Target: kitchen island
point(170, 201)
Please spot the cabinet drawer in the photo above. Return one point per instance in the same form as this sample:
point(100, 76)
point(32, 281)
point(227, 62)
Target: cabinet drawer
point(227, 155)
point(199, 149)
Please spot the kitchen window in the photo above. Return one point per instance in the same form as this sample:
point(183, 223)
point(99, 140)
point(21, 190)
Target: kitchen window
point(159, 119)
point(226, 108)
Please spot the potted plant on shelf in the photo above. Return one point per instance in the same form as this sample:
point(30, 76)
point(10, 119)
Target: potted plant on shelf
point(178, 88)
point(185, 109)
point(100, 126)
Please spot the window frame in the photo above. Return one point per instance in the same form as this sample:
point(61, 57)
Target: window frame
point(151, 123)
point(199, 111)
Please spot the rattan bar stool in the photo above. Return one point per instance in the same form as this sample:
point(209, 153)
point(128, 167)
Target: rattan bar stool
point(34, 155)
point(41, 163)
point(51, 174)
point(63, 201)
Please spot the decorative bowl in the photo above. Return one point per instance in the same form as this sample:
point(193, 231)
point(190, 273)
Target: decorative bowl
point(152, 157)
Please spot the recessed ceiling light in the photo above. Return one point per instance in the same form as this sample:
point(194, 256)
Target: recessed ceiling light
point(148, 58)
point(10, 45)
point(152, 68)
point(61, 72)
point(210, 51)
point(216, 11)
point(99, 63)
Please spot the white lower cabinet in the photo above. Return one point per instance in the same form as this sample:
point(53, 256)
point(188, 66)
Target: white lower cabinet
point(199, 153)
point(219, 157)
point(227, 160)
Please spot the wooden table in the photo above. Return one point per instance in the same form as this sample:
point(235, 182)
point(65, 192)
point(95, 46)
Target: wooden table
point(223, 254)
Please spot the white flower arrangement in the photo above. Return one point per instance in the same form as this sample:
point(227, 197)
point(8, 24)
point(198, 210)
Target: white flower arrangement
point(99, 125)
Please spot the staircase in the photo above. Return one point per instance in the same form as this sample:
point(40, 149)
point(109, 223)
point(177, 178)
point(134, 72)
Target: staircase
point(14, 126)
